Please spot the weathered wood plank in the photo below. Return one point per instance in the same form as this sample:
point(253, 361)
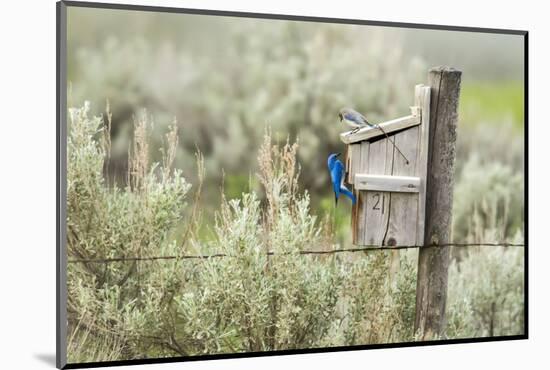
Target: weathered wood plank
point(368, 133)
point(403, 206)
point(433, 262)
point(354, 162)
point(347, 163)
point(384, 217)
point(359, 215)
point(422, 99)
point(404, 184)
point(390, 192)
point(403, 210)
point(379, 158)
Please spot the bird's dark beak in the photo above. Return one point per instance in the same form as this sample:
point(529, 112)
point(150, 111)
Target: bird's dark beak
point(340, 116)
point(338, 154)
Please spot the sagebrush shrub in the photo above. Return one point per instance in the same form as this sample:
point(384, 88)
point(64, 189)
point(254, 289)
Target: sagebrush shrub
point(485, 296)
point(104, 299)
point(488, 202)
point(257, 291)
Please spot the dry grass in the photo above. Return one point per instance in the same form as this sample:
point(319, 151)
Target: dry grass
point(138, 157)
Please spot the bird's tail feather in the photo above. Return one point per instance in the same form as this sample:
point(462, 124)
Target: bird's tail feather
point(349, 194)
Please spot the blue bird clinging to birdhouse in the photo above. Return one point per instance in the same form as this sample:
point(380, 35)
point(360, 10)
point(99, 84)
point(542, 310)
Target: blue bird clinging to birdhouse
point(336, 170)
point(357, 121)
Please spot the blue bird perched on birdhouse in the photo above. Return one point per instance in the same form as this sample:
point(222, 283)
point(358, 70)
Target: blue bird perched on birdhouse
point(357, 121)
point(336, 170)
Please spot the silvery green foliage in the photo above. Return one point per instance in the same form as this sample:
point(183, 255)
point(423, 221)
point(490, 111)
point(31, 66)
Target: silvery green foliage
point(485, 296)
point(488, 202)
point(246, 301)
point(249, 300)
point(380, 298)
point(490, 141)
point(291, 77)
point(107, 303)
point(265, 302)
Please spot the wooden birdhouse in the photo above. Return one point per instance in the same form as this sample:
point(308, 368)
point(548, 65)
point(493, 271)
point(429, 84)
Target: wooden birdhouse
point(391, 193)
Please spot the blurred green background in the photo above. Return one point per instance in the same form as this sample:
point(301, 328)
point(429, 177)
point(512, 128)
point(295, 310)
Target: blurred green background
point(225, 79)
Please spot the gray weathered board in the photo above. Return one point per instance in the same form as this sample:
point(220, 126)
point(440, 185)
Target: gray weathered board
point(391, 194)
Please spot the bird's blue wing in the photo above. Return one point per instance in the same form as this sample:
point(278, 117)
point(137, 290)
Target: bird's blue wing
point(353, 118)
point(356, 117)
point(339, 168)
point(336, 175)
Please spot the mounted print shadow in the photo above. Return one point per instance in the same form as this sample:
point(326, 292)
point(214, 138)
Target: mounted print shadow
point(235, 184)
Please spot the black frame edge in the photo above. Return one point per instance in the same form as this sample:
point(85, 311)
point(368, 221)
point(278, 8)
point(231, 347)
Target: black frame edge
point(526, 184)
point(61, 196)
point(291, 352)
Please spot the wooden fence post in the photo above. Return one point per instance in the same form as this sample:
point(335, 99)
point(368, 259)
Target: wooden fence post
point(433, 262)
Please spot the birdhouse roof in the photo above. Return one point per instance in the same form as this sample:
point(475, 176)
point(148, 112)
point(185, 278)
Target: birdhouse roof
point(367, 133)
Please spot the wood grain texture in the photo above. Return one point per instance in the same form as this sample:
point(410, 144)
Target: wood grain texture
point(352, 166)
point(379, 159)
point(433, 262)
point(390, 191)
point(369, 133)
point(403, 184)
point(403, 212)
point(422, 99)
point(402, 225)
point(358, 218)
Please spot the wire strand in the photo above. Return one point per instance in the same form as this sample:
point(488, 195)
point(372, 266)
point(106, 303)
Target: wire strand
point(302, 252)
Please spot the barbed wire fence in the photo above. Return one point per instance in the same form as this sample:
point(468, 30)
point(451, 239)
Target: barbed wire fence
point(301, 252)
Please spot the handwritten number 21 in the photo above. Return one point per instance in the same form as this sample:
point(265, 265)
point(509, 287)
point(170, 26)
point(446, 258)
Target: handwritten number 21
point(377, 204)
